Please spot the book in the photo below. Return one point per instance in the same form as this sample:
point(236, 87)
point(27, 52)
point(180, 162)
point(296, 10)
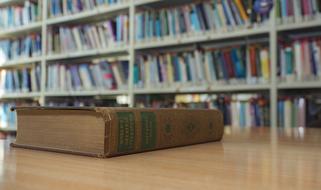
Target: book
point(68, 7)
point(294, 11)
point(107, 132)
point(207, 66)
point(299, 58)
point(92, 36)
point(19, 15)
point(18, 80)
point(104, 73)
point(20, 47)
point(193, 18)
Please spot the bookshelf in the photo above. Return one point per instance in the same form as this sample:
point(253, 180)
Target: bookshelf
point(271, 29)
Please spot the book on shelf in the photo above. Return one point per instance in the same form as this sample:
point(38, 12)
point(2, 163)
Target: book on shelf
point(20, 80)
point(299, 110)
point(8, 118)
point(300, 59)
point(20, 15)
point(239, 110)
point(294, 11)
point(243, 64)
point(107, 132)
point(93, 36)
point(192, 18)
point(83, 102)
point(20, 47)
point(58, 8)
point(99, 74)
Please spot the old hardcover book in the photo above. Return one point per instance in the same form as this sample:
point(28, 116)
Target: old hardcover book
point(107, 132)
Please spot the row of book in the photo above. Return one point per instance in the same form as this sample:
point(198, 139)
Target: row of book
point(289, 11)
point(68, 7)
point(22, 47)
point(7, 117)
point(201, 16)
point(100, 35)
point(292, 112)
point(239, 110)
point(232, 65)
point(96, 75)
point(81, 102)
point(19, 15)
point(18, 80)
point(300, 59)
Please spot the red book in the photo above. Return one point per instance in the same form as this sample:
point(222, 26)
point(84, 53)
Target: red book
point(252, 61)
point(229, 64)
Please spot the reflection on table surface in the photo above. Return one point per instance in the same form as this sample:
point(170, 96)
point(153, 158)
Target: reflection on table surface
point(247, 158)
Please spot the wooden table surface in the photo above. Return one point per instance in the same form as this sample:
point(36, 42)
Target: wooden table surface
point(257, 158)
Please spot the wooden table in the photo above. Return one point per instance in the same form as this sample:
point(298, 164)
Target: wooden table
point(256, 158)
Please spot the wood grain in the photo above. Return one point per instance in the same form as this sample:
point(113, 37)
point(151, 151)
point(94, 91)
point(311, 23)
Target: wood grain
point(257, 158)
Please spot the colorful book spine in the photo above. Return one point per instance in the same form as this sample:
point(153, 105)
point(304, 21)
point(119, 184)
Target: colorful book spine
point(195, 17)
point(20, 47)
point(300, 59)
point(226, 65)
point(101, 35)
point(289, 11)
point(67, 7)
point(20, 15)
point(25, 79)
point(96, 75)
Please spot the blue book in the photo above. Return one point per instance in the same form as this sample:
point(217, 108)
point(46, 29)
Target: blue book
point(242, 114)
point(172, 17)
point(238, 65)
point(228, 17)
point(283, 8)
point(25, 80)
point(159, 69)
point(194, 20)
point(188, 67)
point(125, 68)
point(10, 17)
point(158, 27)
point(289, 60)
point(281, 113)
point(69, 6)
point(136, 74)
point(76, 81)
point(176, 69)
point(118, 29)
point(138, 27)
point(10, 81)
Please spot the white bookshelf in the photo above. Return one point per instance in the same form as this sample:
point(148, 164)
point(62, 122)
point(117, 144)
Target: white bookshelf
point(270, 29)
point(21, 61)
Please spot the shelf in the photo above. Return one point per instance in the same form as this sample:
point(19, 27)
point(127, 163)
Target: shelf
point(302, 25)
point(32, 27)
point(86, 93)
point(21, 61)
point(144, 2)
point(87, 53)
point(203, 89)
point(15, 95)
point(300, 85)
point(86, 14)
point(200, 37)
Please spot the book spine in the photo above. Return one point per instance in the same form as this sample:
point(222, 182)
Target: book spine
point(143, 130)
